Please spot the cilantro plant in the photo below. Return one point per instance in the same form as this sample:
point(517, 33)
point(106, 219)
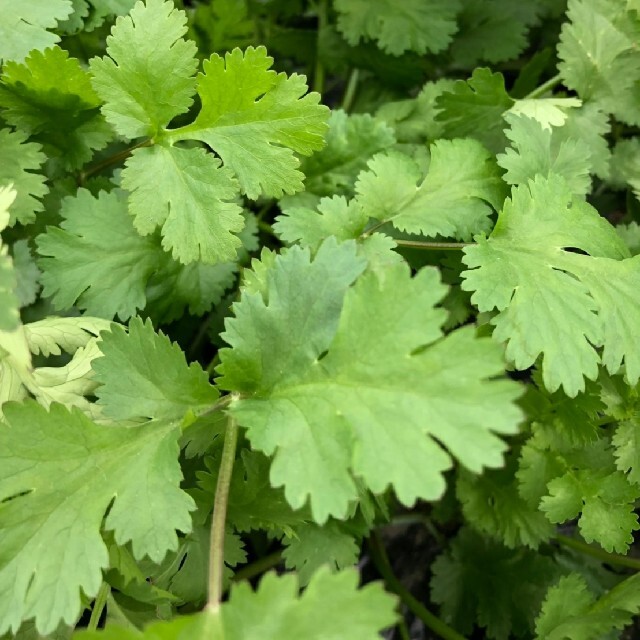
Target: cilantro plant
point(319, 319)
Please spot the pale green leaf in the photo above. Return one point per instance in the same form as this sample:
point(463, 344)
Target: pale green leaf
point(60, 473)
point(331, 418)
point(553, 302)
point(454, 199)
point(549, 112)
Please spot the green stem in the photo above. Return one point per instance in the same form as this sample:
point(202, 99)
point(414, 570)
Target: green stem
point(265, 227)
point(402, 630)
point(350, 91)
point(114, 159)
point(258, 567)
point(117, 615)
point(380, 559)
point(218, 520)
point(98, 606)
point(543, 88)
point(318, 76)
point(432, 246)
point(600, 554)
point(221, 404)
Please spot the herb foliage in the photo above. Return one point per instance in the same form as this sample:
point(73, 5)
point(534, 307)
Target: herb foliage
point(248, 327)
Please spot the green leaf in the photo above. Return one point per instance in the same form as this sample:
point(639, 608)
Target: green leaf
point(50, 97)
point(478, 581)
point(27, 273)
point(625, 165)
point(493, 30)
point(190, 199)
point(492, 504)
point(18, 161)
point(254, 119)
point(276, 611)
point(553, 302)
point(9, 303)
point(52, 335)
point(570, 611)
point(474, 108)
point(313, 546)
point(147, 78)
point(60, 474)
point(24, 26)
point(549, 112)
point(452, 200)
point(599, 57)
point(422, 25)
point(330, 418)
point(351, 141)
point(98, 262)
point(144, 375)
point(538, 151)
point(606, 500)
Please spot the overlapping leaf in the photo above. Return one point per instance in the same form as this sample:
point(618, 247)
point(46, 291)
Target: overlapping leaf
point(551, 301)
point(255, 119)
point(9, 304)
point(330, 418)
point(59, 474)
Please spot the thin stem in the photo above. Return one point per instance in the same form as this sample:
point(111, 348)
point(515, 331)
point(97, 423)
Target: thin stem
point(402, 630)
point(432, 246)
point(600, 554)
point(114, 159)
point(221, 404)
point(98, 606)
point(543, 88)
point(218, 520)
point(258, 567)
point(350, 91)
point(318, 76)
point(265, 227)
point(380, 559)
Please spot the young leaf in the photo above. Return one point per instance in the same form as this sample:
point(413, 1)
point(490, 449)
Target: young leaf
point(452, 200)
point(540, 151)
point(570, 611)
point(330, 418)
point(147, 78)
point(190, 199)
point(24, 26)
point(59, 475)
point(18, 161)
point(422, 25)
point(98, 262)
point(50, 97)
point(553, 302)
point(254, 119)
point(144, 375)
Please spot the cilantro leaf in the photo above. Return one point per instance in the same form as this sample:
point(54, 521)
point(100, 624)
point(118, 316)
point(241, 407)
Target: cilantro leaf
point(144, 375)
point(189, 199)
point(351, 141)
point(492, 30)
point(571, 611)
point(98, 262)
point(18, 161)
point(453, 199)
point(420, 26)
point(275, 611)
point(24, 26)
point(141, 98)
point(60, 473)
point(478, 580)
point(474, 108)
point(330, 417)
point(540, 151)
point(50, 97)
point(313, 546)
point(549, 112)
point(599, 57)
point(254, 119)
point(554, 302)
